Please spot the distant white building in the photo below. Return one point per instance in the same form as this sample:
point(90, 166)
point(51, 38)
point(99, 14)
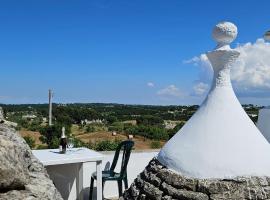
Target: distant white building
point(252, 115)
point(170, 124)
point(29, 116)
point(94, 121)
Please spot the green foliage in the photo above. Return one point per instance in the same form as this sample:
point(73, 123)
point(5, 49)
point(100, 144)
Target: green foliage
point(18, 128)
point(78, 143)
point(31, 125)
point(105, 145)
point(172, 132)
point(111, 119)
point(34, 126)
point(90, 129)
point(150, 120)
point(30, 141)
point(23, 123)
point(42, 146)
point(155, 144)
point(151, 132)
point(52, 134)
point(74, 114)
point(116, 126)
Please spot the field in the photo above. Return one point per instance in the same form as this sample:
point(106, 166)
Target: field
point(93, 124)
point(141, 143)
point(33, 134)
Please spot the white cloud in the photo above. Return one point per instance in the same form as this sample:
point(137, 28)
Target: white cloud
point(250, 74)
point(5, 97)
point(201, 60)
point(150, 84)
point(252, 69)
point(170, 91)
point(200, 88)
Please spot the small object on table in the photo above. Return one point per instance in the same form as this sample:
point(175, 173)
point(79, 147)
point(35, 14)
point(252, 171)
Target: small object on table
point(63, 142)
point(70, 143)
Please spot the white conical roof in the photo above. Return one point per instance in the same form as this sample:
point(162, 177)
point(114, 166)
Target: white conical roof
point(220, 140)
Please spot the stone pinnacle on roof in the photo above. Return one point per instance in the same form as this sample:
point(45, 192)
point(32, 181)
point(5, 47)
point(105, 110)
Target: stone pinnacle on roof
point(224, 33)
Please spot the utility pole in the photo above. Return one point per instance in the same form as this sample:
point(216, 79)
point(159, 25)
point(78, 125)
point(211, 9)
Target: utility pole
point(50, 107)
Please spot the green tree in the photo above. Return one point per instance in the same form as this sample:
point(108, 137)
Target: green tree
point(150, 120)
point(155, 144)
point(51, 134)
point(111, 119)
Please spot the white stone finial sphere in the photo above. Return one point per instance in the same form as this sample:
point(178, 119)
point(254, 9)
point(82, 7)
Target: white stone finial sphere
point(267, 36)
point(224, 32)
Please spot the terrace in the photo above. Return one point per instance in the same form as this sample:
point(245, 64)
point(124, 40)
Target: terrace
point(64, 176)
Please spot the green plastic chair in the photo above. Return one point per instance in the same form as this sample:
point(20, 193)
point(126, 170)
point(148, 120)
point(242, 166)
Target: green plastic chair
point(111, 175)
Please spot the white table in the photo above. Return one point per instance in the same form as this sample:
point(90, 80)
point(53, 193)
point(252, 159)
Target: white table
point(78, 156)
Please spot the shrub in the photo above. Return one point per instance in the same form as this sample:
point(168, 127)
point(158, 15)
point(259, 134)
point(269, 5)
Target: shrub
point(116, 126)
point(105, 145)
point(90, 129)
point(111, 119)
point(30, 141)
point(42, 146)
point(150, 120)
point(52, 134)
point(151, 132)
point(78, 143)
point(155, 144)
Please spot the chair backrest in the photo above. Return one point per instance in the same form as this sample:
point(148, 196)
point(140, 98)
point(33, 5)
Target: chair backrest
point(126, 147)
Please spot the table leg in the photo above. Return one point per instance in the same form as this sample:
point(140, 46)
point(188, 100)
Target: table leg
point(99, 180)
point(79, 181)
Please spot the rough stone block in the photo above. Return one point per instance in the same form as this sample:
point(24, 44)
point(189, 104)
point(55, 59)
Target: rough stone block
point(13, 174)
point(151, 178)
point(179, 182)
point(22, 176)
point(152, 192)
point(215, 186)
point(183, 194)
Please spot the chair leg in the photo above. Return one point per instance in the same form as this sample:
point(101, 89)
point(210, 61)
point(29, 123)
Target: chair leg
point(120, 186)
point(91, 189)
point(103, 184)
point(126, 182)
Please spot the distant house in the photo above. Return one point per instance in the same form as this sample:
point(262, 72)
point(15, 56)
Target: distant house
point(170, 124)
point(29, 117)
point(94, 121)
point(253, 115)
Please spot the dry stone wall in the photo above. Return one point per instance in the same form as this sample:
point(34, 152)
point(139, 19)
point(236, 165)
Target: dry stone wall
point(158, 183)
point(22, 176)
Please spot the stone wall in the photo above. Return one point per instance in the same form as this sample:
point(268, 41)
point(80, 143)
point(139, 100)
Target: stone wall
point(158, 183)
point(22, 176)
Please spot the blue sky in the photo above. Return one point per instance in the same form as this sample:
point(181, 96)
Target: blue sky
point(110, 51)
